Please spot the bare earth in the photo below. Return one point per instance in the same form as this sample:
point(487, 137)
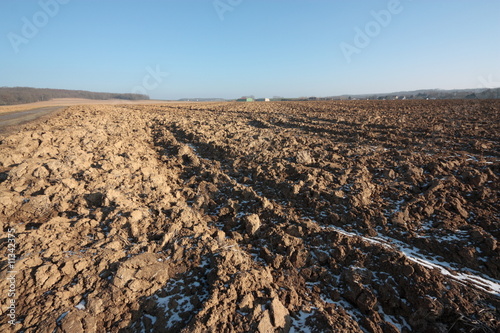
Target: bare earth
point(363, 216)
point(9, 121)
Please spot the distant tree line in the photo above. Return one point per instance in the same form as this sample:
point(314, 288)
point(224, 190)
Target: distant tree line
point(480, 93)
point(21, 95)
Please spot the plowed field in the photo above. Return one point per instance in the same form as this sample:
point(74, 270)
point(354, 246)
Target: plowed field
point(359, 216)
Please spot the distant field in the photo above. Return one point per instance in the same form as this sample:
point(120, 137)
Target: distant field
point(71, 101)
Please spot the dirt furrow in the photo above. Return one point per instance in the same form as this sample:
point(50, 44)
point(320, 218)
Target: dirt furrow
point(242, 217)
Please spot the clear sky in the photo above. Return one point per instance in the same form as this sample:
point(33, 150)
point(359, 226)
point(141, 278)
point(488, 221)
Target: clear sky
point(230, 48)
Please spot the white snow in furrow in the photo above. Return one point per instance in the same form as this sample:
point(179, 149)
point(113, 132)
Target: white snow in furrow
point(81, 305)
point(395, 321)
point(470, 278)
point(152, 318)
point(299, 323)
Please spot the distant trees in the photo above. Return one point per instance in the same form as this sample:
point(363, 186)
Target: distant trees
point(490, 93)
point(21, 95)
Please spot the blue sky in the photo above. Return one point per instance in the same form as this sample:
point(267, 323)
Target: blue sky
point(230, 48)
